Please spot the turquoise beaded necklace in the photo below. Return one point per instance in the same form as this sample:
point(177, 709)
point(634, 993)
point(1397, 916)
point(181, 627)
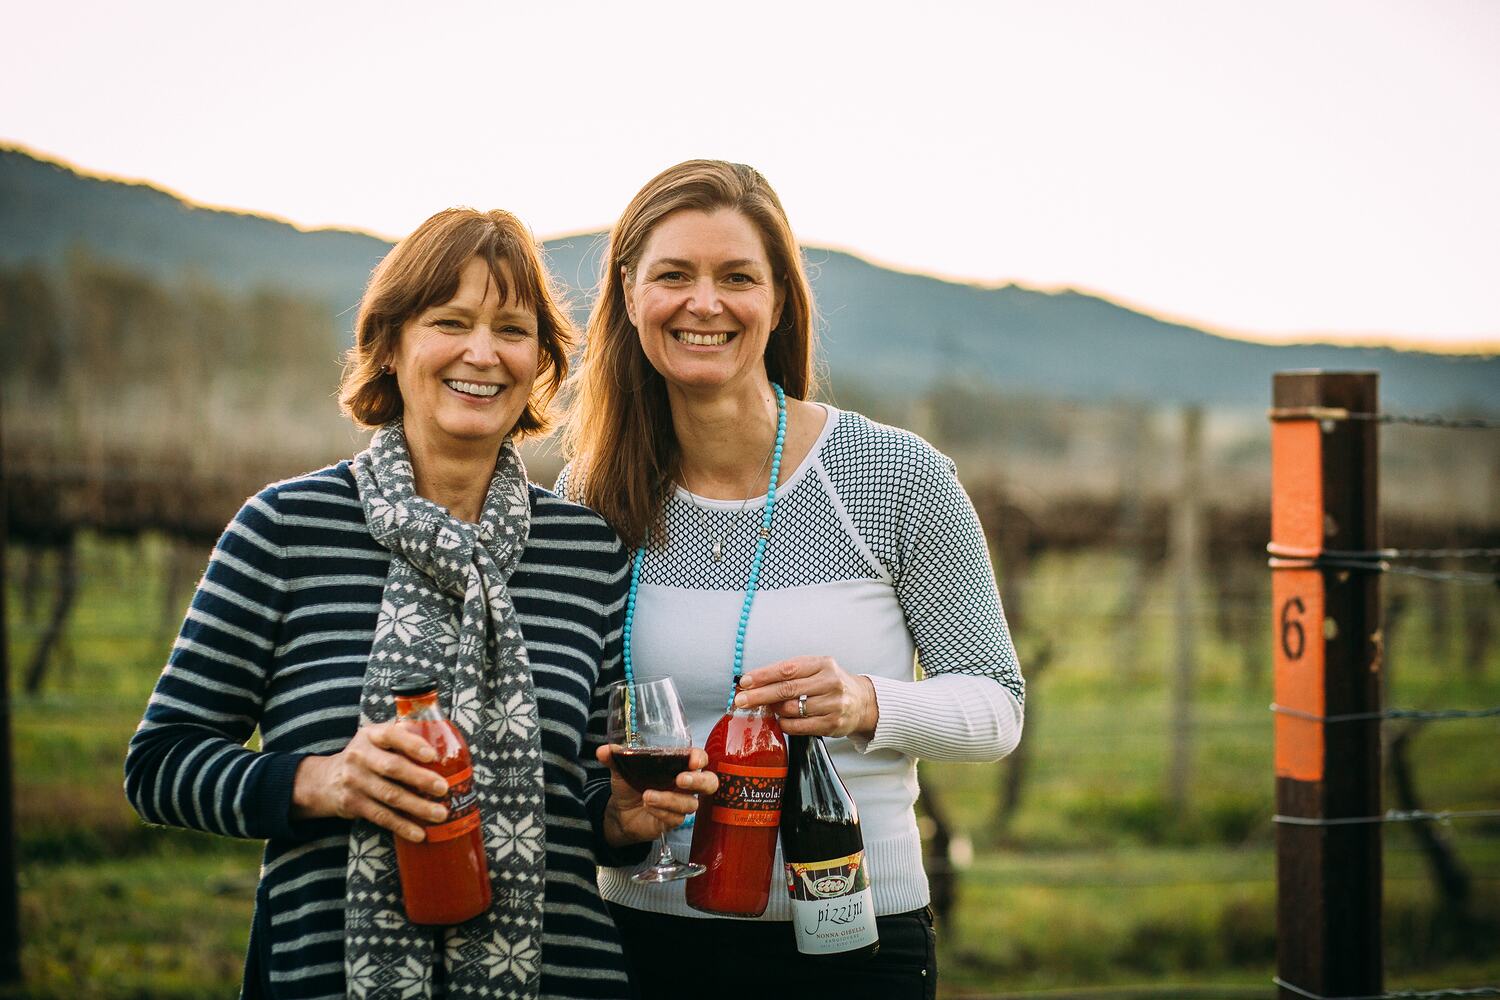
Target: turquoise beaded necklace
point(750, 587)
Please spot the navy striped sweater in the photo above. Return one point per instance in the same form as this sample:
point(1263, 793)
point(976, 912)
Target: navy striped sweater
point(276, 639)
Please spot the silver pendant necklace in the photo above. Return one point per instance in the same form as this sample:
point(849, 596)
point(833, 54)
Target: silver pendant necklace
point(717, 549)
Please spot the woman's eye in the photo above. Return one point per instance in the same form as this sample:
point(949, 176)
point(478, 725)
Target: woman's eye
point(450, 324)
point(514, 331)
point(740, 279)
point(671, 276)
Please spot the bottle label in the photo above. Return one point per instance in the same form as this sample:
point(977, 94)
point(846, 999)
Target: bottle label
point(748, 796)
point(831, 905)
point(463, 808)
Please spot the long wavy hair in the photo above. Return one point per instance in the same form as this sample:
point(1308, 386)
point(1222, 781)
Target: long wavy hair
point(619, 434)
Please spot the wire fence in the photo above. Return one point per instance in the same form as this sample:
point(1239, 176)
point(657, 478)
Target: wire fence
point(1232, 615)
point(1306, 466)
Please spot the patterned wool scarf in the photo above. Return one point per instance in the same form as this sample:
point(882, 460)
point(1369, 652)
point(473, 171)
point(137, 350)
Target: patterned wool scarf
point(446, 611)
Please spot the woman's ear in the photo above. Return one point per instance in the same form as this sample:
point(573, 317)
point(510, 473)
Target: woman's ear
point(625, 294)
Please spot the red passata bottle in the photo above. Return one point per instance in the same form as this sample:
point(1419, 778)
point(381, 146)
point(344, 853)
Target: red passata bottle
point(734, 837)
point(445, 879)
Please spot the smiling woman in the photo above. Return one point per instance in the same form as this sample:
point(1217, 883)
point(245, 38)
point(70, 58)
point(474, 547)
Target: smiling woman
point(844, 547)
point(429, 551)
point(703, 299)
point(460, 274)
point(465, 367)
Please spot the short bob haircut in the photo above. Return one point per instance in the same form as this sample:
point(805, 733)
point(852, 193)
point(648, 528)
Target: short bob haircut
point(619, 434)
point(422, 271)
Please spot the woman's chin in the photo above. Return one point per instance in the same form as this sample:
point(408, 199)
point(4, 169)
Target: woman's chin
point(465, 431)
point(705, 377)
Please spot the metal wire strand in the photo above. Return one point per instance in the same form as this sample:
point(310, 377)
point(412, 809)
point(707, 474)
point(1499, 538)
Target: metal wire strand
point(1391, 816)
point(1478, 991)
point(1424, 714)
point(1359, 565)
point(1429, 553)
point(1448, 576)
point(1377, 555)
point(1417, 419)
point(1427, 420)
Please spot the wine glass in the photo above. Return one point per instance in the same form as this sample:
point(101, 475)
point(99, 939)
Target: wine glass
point(652, 744)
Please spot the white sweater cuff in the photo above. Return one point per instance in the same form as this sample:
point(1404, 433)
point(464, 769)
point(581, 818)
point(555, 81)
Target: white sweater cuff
point(946, 717)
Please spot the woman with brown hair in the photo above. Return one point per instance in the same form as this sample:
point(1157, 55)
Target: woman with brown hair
point(429, 551)
point(693, 432)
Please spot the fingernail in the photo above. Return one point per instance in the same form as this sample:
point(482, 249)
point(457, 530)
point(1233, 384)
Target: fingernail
point(747, 681)
point(438, 814)
point(740, 701)
point(428, 753)
point(416, 834)
point(439, 788)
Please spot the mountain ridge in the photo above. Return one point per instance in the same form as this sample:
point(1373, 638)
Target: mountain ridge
point(897, 331)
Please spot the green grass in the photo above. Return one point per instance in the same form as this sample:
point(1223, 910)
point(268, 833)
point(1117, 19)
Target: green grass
point(154, 924)
point(1095, 883)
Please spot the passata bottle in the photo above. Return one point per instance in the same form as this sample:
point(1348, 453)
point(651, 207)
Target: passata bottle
point(445, 879)
point(832, 912)
point(734, 836)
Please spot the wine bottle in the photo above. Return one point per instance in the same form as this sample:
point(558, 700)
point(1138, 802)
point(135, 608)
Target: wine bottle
point(734, 835)
point(826, 876)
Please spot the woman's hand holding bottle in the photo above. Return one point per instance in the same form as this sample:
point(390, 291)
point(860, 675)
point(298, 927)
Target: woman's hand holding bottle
point(379, 776)
point(814, 696)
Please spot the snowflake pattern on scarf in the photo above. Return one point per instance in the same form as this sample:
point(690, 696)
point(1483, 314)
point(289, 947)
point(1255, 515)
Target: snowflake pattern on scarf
point(446, 611)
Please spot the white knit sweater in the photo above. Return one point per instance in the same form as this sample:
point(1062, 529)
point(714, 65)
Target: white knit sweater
point(877, 559)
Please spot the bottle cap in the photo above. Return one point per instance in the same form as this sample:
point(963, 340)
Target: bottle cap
point(413, 684)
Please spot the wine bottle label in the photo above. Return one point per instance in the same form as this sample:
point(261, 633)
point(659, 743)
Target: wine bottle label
point(463, 808)
point(748, 796)
point(831, 906)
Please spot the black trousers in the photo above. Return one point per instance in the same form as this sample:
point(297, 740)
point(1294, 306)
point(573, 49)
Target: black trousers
point(721, 959)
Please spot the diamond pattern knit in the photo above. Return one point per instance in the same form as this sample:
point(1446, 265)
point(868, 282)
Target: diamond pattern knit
point(876, 559)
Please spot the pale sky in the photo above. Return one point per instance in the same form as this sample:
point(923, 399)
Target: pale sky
point(1273, 168)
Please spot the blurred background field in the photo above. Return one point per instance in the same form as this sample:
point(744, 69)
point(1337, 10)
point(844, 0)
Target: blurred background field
point(159, 362)
point(1094, 879)
point(1144, 209)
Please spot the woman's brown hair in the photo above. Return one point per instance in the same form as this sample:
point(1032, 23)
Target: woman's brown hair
point(423, 270)
point(619, 433)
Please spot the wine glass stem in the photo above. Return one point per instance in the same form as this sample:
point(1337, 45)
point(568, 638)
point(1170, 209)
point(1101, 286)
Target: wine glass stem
point(664, 856)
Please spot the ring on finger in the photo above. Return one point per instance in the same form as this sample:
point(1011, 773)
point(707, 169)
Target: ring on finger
point(802, 706)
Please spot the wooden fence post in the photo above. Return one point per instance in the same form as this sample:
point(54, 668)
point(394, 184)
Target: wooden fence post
point(10, 910)
point(1186, 542)
point(1327, 652)
point(1135, 451)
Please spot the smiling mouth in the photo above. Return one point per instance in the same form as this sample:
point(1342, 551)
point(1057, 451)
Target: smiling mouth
point(695, 339)
point(479, 390)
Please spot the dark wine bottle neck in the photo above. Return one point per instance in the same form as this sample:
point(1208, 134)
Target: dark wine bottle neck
point(818, 788)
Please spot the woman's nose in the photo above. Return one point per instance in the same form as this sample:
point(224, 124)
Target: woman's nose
point(480, 350)
point(704, 300)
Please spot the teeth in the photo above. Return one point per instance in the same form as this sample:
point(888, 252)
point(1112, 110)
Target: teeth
point(701, 339)
point(472, 388)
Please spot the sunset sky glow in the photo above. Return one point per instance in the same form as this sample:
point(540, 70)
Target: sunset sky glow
point(1272, 169)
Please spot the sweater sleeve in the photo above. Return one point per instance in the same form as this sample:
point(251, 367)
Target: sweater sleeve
point(187, 764)
point(596, 789)
point(969, 705)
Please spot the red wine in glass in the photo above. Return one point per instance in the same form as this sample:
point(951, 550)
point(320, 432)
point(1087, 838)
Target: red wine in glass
point(651, 767)
point(649, 737)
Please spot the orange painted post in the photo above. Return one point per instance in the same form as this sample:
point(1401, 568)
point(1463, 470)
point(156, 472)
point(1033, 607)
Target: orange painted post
point(1327, 661)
